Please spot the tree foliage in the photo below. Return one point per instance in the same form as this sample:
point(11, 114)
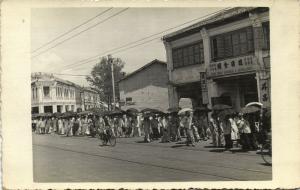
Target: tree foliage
point(101, 77)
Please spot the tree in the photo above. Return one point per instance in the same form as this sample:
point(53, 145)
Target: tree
point(101, 77)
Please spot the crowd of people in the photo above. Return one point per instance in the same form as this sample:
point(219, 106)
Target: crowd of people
point(233, 130)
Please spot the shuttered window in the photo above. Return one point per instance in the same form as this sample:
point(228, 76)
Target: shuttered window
point(266, 33)
point(232, 44)
point(188, 55)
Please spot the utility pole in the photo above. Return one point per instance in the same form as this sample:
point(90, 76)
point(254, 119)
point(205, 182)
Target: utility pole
point(113, 80)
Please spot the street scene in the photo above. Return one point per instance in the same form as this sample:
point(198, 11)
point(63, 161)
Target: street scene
point(184, 99)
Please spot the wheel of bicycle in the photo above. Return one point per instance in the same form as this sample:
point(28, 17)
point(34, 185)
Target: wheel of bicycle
point(104, 142)
point(266, 153)
point(112, 140)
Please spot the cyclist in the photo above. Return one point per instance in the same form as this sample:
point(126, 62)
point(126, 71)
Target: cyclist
point(100, 125)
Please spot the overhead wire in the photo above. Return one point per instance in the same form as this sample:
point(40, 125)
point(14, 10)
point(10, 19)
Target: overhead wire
point(111, 51)
point(72, 29)
point(123, 10)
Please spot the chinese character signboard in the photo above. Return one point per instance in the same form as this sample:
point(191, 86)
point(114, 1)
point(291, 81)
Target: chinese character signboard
point(204, 87)
point(232, 66)
point(265, 99)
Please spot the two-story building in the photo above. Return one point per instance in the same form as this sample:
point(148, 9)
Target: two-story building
point(50, 94)
point(224, 59)
point(146, 87)
point(90, 98)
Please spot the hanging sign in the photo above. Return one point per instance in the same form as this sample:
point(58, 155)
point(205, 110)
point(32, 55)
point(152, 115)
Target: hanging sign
point(232, 66)
point(204, 90)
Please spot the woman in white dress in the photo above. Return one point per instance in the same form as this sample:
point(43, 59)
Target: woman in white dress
point(235, 136)
point(60, 126)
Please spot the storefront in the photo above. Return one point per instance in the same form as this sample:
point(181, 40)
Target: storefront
point(233, 82)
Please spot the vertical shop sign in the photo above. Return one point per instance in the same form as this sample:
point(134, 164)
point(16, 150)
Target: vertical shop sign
point(265, 99)
point(204, 87)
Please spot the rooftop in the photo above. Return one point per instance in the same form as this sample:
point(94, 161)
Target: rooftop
point(155, 61)
point(218, 18)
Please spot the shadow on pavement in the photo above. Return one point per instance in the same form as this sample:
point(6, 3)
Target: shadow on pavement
point(265, 164)
point(210, 146)
point(217, 150)
point(239, 150)
point(179, 145)
point(140, 141)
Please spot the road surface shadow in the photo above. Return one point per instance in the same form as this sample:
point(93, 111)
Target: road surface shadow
point(265, 164)
point(178, 145)
point(217, 150)
point(142, 141)
point(210, 146)
point(238, 150)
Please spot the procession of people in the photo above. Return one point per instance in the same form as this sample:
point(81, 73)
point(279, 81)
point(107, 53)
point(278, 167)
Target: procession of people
point(221, 125)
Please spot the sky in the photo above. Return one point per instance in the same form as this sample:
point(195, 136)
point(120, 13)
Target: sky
point(130, 25)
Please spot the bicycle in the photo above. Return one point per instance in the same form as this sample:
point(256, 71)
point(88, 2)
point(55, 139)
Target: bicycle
point(266, 152)
point(108, 136)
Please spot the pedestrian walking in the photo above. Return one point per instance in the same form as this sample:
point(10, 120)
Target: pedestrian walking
point(75, 126)
point(234, 132)
point(186, 122)
point(165, 129)
point(213, 130)
point(226, 126)
point(70, 124)
point(60, 126)
point(47, 125)
point(147, 129)
point(154, 126)
point(245, 131)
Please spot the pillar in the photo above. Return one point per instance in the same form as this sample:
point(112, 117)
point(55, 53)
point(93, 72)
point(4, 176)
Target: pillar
point(41, 108)
point(40, 93)
point(63, 108)
point(262, 76)
point(173, 97)
point(208, 87)
point(54, 108)
point(172, 92)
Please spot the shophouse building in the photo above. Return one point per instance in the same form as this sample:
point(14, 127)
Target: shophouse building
point(50, 94)
point(224, 59)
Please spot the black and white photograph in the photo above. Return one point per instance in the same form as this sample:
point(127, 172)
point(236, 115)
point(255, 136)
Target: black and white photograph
point(136, 94)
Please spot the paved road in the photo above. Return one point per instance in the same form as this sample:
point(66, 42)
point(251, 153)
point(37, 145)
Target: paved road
point(81, 159)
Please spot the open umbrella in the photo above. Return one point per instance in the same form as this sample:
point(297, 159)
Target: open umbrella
point(202, 109)
point(184, 110)
point(250, 109)
point(254, 103)
point(69, 114)
point(226, 112)
point(57, 114)
point(219, 107)
point(151, 110)
point(84, 113)
point(173, 110)
point(116, 113)
point(34, 115)
point(45, 114)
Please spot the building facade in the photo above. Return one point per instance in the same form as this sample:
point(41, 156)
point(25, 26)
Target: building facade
point(146, 87)
point(224, 59)
point(50, 94)
point(90, 98)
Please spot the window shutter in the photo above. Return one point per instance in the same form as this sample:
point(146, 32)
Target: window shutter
point(228, 46)
point(220, 46)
